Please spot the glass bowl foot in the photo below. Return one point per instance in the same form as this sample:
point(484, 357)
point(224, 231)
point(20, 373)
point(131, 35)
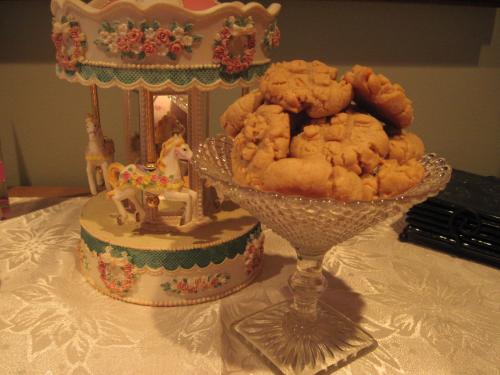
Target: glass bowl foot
point(295, 345)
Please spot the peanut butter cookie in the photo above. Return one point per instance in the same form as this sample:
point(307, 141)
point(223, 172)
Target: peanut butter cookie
point(386, 100)
point(232, 118)
point(395, 178)
point(405, 147)
point(354, 141)
point(311, 86)
point(264, 138)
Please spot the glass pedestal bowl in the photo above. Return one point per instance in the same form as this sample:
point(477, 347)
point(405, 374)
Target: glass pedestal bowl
point(304, 335)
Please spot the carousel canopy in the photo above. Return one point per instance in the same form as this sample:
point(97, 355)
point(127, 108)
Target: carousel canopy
point(163, 44)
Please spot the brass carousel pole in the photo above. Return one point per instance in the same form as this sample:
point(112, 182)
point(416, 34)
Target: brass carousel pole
point(150, 131)
point(94, 99)
point(149, 153)
point(126, 126)
point(95, 104)
point(197, 132)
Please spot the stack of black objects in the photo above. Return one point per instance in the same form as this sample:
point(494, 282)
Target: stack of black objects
point(464, 219)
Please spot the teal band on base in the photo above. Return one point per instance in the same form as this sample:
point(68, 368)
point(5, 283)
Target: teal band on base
point(172, 260)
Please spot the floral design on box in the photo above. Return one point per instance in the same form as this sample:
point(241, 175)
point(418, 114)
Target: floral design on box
point(147, 39)
point(254, 252)
point(115, 269)
point(272, 37)
point(194, 285)
point(70, 43)
point(238, 33)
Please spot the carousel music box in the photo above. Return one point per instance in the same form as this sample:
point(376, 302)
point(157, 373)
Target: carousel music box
point(155, 235)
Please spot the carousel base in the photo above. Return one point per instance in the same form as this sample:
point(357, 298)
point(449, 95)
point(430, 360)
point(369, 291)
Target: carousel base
point(177, 266)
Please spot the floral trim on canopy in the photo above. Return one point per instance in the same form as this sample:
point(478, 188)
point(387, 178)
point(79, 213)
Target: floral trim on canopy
point(70, 43)
point(147, 39)
point(272, 37)
point(115, 269)
point(235, 27)
point(195, 285)
point(254, 252)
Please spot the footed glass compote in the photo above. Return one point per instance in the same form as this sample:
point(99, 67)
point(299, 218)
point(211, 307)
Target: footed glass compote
point(304, 335)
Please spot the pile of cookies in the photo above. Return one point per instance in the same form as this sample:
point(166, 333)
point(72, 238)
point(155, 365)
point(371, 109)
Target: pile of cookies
point(305, 133)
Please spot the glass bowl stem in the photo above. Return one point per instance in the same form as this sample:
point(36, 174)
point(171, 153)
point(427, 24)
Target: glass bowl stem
point(307, 284)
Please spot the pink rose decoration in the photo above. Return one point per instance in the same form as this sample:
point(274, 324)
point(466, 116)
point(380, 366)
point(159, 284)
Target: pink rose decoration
point(240, 66)
point(123, 44)
point(163, 36)
point(126, 176)
point(233, 64)
point(248, 57)
point(69, 49)
point(236, 65)
point(219, 50)
point(149, 48)
point(154, 177)
point(276, 37)
point(225, 33)
point(135, 35)
point(60, 59)
point(225, 42)
point(57, 39)
point(75, 33)
point(67, 64)
point(175, 47)
point(251, 42)
point(164, 180)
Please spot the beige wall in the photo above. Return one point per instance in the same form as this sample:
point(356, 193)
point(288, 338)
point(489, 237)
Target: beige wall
point(446, 56)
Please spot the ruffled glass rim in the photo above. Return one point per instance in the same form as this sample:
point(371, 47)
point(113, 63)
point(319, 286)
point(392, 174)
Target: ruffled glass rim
point(437, 175)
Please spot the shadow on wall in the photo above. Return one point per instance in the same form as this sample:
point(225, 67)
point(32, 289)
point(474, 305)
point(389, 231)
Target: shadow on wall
point(375, 33)
point(384, 33)
point(22, 170)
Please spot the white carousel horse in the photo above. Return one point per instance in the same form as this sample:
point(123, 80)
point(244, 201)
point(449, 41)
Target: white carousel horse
point(166, 179)
point(98, 154)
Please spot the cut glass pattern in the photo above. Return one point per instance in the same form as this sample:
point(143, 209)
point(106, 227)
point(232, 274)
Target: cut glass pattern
point(302, 335)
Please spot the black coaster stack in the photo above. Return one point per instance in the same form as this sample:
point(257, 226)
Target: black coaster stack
point(464, 219)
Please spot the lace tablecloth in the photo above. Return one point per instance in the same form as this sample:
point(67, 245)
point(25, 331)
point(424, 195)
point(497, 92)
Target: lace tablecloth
point(430, 313)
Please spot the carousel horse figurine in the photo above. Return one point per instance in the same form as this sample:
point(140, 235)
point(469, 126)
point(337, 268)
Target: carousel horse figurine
point(165, 180)
point(98, 154)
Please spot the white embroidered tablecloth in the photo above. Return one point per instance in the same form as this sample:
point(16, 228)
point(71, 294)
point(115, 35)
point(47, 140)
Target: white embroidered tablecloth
point(430, 313)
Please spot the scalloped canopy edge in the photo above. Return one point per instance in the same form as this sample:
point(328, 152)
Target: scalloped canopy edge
point(107, 77)
point(236, 6)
